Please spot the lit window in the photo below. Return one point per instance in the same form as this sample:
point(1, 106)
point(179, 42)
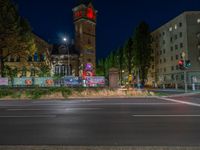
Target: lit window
point(175, 27)
point(198, 20)
point(170, 29)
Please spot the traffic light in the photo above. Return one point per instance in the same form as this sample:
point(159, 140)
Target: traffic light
point(188, 64)
point(181, 64)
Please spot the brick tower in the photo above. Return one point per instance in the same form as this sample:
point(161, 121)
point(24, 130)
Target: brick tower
point(84, 16)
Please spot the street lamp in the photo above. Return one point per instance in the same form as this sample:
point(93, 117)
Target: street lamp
point(68, 60)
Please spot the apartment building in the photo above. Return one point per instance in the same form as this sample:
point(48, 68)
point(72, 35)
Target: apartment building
point(177, 38)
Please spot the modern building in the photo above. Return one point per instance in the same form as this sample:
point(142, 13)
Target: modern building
point(178, 39)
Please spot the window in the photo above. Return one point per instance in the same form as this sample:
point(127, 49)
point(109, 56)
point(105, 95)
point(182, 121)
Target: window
point(176, 47)
point(163, 33)
point(171, 39)
point(63, 70)
point(29, 58)
point(180, 34)
point(177, 77)
point(36, 57)
point(57, 68)
point(181, 45)
point(182, 77)
point(165, 69)
point(24, 72)
point(177, 67)
point(175, 37)
point(12, 59)
point(164, 51)
point(164, 60)
point(172, 58)
point(198, 20)
point(172, 49)
point(160, 60)
point(152, 67)
point(160, 52)
point(176, 57)
point(17, 58)
point(172, 77)
point(175, 27)
point(170, 29)
point(180, 24)
point(172, 68)
point(89, 41)
point(163, 41)
point(32, 72)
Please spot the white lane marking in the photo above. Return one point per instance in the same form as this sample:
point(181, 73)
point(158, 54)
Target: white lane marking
point(182, 102)
point(166, 115)
point(26, 109)
point(36, 116)
point(72, 109)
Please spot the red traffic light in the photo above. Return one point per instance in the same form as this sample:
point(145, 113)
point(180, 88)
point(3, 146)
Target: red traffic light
point(181, 62)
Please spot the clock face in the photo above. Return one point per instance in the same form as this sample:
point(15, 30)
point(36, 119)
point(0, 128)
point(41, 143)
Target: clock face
point(90, 13)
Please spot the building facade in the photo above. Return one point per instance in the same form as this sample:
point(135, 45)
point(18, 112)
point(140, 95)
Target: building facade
point(179, 39)
point(65, 60)
point(85, 37)
point(32, 65)
point(78, 58)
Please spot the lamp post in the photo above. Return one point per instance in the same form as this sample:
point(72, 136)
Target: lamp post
point(68, 57)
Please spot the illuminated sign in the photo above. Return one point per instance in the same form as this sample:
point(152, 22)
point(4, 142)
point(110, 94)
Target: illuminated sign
point(3, 81)
point(95, 81)
point(72, 81)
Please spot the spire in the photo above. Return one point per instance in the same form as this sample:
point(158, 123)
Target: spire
point(85, 2)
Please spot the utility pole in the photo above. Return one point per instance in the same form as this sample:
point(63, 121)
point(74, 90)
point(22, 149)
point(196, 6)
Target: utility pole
point(185, 73)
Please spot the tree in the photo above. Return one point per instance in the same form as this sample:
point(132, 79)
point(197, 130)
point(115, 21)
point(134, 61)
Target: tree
point(120, 61)
point(128, 55)
point(15, 33)
point(142, 44)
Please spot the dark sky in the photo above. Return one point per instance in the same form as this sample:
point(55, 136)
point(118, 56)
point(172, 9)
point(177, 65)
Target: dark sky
point(51, 19)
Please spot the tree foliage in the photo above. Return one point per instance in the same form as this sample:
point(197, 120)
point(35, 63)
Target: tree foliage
point(15, 33)
point(134, 55)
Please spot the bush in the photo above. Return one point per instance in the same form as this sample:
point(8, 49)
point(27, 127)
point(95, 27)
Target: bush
point(66, 92)
point(5, 92)
point(36, 93)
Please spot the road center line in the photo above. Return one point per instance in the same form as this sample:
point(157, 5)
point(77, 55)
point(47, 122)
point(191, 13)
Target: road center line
point(182, 102)
point(166, 115)
point(34, 116)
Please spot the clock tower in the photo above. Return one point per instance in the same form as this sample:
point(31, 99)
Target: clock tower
point(85, 37)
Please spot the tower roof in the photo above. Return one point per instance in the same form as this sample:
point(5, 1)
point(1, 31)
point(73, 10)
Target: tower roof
point(85, 2)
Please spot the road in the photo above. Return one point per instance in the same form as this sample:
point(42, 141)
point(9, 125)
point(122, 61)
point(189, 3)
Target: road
point(106, 122)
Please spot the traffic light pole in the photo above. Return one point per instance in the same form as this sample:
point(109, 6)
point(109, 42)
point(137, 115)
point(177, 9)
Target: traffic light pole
point(185, 74)
point(185, 81)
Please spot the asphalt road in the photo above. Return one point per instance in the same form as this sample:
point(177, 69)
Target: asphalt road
point(113, 122)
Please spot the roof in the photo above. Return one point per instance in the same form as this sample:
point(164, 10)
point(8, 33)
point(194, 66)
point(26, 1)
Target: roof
point(85, 2)
point(62, 49)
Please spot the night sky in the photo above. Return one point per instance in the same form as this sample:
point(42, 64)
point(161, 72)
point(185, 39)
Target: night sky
point(116, 20)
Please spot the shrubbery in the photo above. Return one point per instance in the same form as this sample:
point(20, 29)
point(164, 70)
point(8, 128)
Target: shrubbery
point(35, 93)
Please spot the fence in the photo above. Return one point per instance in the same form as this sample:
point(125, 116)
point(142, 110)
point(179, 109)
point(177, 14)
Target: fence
point(67, 81)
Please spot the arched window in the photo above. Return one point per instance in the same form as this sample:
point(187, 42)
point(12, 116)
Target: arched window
point(57, 70)
point(36, 56)
point(30, 59)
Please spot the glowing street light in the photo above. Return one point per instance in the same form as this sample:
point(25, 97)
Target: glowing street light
point(68, 62)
